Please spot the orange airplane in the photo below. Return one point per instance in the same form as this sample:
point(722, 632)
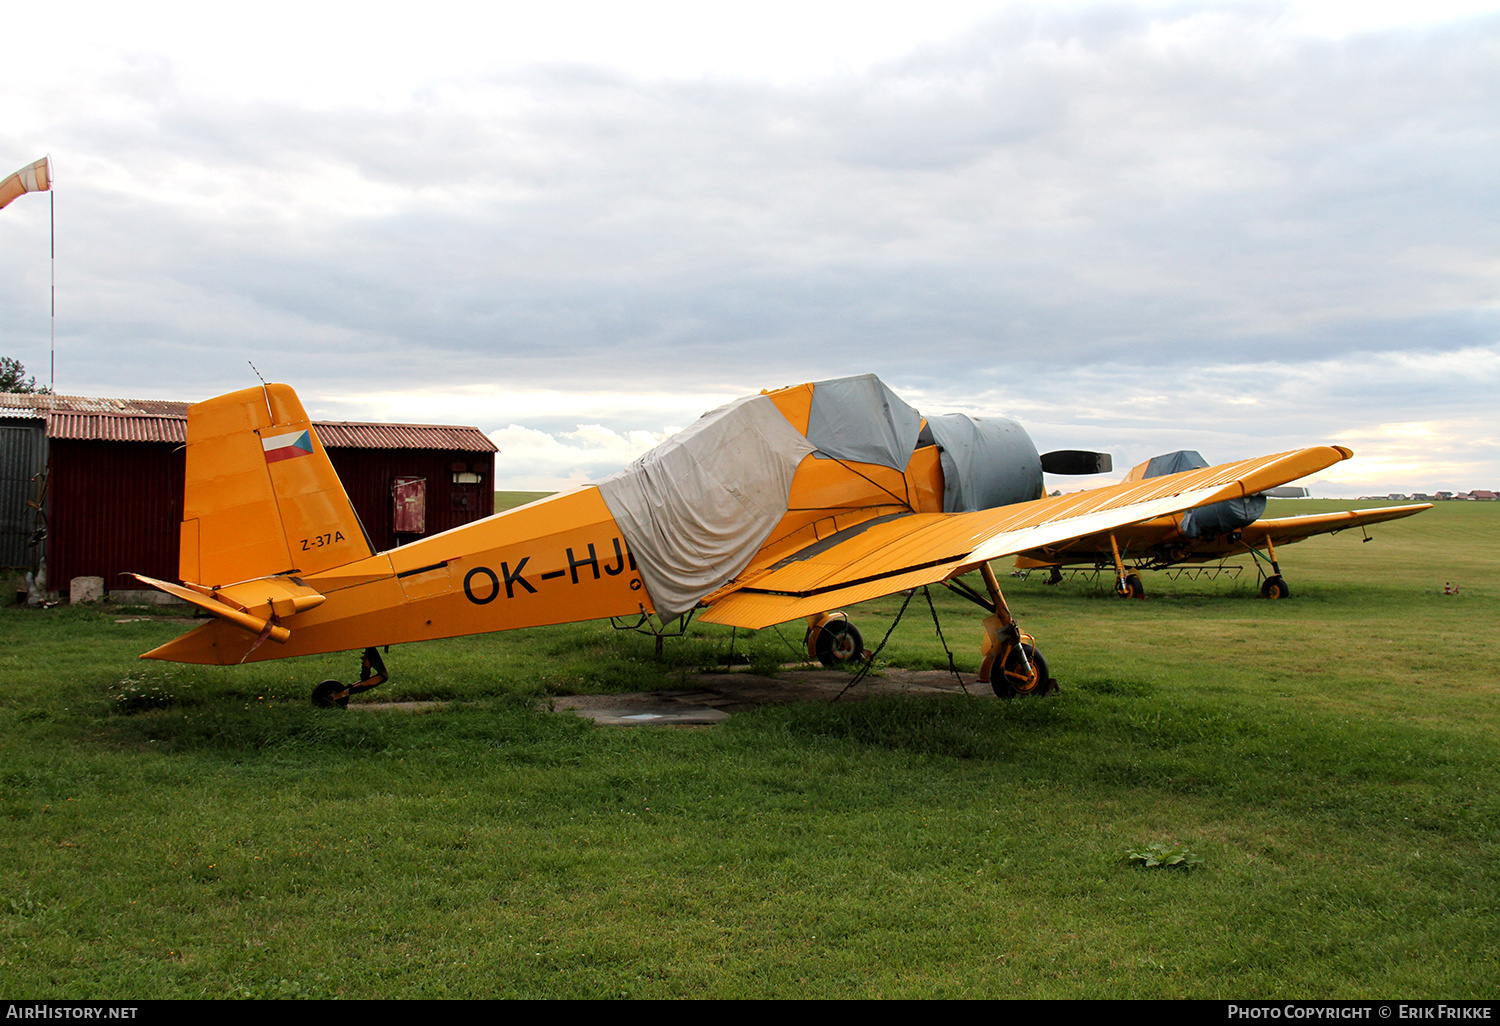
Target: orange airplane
point(1206, 534)
point(778, 506)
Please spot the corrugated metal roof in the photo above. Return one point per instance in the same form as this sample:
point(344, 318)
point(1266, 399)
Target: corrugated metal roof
point(346, 435)
point(119, 427)
point(38, 405)
point(81, 418)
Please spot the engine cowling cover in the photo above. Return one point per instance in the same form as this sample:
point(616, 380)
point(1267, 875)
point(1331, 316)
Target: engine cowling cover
point(987, 462)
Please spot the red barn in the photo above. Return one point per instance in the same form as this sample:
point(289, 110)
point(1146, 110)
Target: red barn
point(94, 486)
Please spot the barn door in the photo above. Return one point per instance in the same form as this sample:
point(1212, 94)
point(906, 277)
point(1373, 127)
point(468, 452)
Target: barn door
point(410, 516)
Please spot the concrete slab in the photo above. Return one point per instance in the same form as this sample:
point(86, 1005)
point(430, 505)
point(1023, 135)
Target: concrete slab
point(85, 589)
point(413, 707)
point(662, 714)
point(718, 695)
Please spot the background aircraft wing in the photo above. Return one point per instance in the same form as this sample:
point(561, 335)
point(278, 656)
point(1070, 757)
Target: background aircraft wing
point(903, 551)
point(1283, 530)
point(1141, 539)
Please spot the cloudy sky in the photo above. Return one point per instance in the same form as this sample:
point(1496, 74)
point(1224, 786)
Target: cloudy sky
point(1135, 227)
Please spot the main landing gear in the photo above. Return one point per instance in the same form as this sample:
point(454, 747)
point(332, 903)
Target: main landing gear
point(832, 640)
point(331, 693)
point(1127, 585)
point(1011, 664)
point(1273, 587)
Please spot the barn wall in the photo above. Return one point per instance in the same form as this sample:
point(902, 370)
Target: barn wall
point(113, 507)
point(369, 476)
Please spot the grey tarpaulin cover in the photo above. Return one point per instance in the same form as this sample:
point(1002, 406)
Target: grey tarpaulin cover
point(1174, 463)
point(1223, 517)
point(697, 508)
point(1207, 521)
point(987, 462)
point(859, 418)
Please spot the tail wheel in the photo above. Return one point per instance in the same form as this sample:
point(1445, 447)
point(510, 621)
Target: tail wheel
point(323, 695)
point(372, 673)
point(1275, 588)
point(838, 642)
point(1024, 674)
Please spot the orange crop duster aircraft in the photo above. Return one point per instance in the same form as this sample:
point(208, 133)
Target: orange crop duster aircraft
point(779, 506)
point(1204, 535)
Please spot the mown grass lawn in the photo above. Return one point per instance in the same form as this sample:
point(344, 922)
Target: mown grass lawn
point(197, 832)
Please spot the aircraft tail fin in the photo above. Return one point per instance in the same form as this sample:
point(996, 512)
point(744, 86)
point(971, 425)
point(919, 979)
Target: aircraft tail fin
point(262, 498)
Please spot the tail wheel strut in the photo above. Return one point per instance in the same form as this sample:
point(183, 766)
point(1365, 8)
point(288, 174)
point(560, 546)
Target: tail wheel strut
point(372, 673)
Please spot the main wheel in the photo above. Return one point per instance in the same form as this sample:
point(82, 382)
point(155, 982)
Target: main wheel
point(1022, 677)
point(1275, 588)
point(322, 695)
point(838, 642)
point(1136, 586)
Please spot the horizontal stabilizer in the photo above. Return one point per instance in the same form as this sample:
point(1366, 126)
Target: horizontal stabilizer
point(257, 607)
point(244, 621)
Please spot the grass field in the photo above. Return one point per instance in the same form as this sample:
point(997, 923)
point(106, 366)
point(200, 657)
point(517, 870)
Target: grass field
point(170, 831)
point(510, 500)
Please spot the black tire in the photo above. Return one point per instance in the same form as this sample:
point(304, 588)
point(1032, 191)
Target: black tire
point(1013, 680)
point(839, 642)
point(1136, 586)
point(1275, 588)
point(322, 695)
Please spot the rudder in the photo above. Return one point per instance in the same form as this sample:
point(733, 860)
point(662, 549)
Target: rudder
point(262, 497)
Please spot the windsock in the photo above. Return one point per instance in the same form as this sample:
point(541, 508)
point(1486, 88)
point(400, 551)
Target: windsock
point(36, 177)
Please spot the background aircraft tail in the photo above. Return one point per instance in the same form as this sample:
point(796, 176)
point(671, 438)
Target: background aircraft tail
point(262, 498)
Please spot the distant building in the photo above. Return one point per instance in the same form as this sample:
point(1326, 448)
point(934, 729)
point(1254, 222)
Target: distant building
point(1483, 494)
point(94, 486)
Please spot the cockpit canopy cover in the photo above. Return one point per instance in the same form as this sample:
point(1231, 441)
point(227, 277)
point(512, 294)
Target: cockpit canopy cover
point(696, 509)
point(860, 419)
point(1207, 521)
point(1174, 463)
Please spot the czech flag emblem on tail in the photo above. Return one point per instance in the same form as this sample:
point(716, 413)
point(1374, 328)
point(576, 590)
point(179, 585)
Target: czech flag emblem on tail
point(287, 447)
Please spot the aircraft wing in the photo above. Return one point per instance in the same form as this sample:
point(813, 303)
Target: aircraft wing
point(1284, 530)
point(1141, 539)
point(902, 551)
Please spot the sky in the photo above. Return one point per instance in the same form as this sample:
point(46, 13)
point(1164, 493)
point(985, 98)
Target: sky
point(1134, 227)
